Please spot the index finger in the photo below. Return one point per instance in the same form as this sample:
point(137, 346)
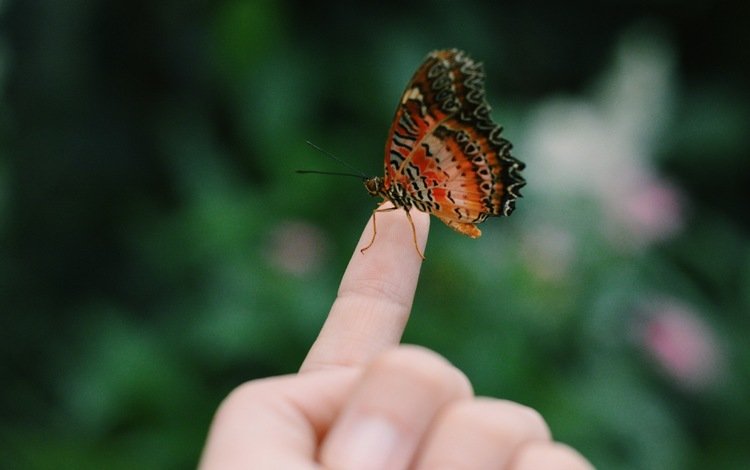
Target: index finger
point(375, 296)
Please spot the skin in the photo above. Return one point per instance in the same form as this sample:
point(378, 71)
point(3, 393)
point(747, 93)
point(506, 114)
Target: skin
point(363, 401)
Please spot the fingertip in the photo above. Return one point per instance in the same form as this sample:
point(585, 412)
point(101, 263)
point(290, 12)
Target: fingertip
point(376, 293)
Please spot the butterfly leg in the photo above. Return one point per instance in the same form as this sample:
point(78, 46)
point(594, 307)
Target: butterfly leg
point(375, 230)
point(414, 235)
point(375, 225)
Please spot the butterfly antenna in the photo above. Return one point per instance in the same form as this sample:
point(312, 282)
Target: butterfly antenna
point(333, 157)
point(335, 173)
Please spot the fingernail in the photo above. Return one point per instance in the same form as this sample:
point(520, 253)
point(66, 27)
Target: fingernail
point(368, 443)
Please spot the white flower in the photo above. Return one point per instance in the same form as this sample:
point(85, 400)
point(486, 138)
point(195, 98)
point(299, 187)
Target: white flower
point(600, 148)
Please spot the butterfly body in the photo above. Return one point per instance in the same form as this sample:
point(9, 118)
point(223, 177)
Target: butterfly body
point(444, 155)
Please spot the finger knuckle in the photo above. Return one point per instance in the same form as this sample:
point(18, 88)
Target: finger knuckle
point(530, 419)
point(502, 418)
point(548, 454)
point(425, 367)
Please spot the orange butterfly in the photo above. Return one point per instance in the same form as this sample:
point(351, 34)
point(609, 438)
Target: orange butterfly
point(444, 155)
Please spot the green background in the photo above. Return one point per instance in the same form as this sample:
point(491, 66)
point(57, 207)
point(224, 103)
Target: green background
point(157, 248)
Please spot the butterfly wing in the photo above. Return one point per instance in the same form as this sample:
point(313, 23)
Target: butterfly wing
point(444, 149)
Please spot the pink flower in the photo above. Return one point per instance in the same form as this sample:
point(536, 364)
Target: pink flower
point(297, 247)
point(650, 211)
point(682, 344)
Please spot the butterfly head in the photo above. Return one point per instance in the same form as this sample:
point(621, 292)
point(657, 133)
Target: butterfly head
point(375, 186)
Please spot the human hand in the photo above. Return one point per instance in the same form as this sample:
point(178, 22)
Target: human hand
point(362, 402)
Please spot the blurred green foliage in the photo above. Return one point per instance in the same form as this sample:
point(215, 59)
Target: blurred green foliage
point(157, 250)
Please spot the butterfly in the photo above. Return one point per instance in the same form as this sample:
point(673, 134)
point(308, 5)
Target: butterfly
point(444, 155)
